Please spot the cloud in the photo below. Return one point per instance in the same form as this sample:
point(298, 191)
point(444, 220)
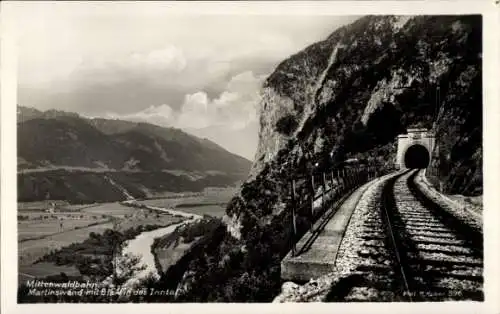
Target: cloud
point(195, 111)
point(234, 111)
point(162, 115)
point(170, 58)
point(234, 108)
point(161, 66)
point(198, 72)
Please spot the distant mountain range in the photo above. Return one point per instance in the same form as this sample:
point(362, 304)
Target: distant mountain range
point(57, 141)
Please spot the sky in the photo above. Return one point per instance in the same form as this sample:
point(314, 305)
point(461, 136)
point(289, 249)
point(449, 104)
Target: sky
point(145, 62)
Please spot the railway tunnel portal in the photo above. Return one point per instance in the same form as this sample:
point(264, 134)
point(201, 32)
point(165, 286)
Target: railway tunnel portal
point(415, 149)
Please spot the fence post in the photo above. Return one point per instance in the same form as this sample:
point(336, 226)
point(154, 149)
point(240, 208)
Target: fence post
point(353, 175)
point(312, 202)
point(331, 182)
point(349, 175)
point(344, 179)
point(347, 179)
point(339, 178)
point(324, 192)
point(354, 178)
point(294, 222)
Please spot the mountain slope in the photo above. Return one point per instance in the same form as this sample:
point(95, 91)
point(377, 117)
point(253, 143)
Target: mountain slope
point(347, 96)
point(65, 139)
point(62, 143)
point(67, 142)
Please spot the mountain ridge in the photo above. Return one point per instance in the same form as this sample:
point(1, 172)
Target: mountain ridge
point(114, 131)
point(64, 156)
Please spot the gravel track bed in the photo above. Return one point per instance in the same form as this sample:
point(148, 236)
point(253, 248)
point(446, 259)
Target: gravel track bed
point(449, 258)
point(456, 270)
point(353, 245)
point(434, 235)
point(430, 229)
point(431, 239)
point(354, 253)
point(458, 284)
point(412, 223)
point(471, 217)
point(445, 248)
point(443, 266)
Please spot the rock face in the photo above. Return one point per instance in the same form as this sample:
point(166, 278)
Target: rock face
point(379, 69)
point(349, 96)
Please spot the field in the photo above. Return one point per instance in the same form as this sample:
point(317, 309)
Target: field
point(40, 232)
point(211, 202)
point(39, 205)
point(58, 204)
point(114, 209)
point(34, 222)
point(34, 225)
point(148, 218)
point(29, 272)
point(32, 250)
point(211, 210)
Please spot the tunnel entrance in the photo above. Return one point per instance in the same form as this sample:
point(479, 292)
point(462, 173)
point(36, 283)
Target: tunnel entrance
point(417, 156)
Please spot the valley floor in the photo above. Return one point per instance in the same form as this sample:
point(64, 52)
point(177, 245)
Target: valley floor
point(42, 231)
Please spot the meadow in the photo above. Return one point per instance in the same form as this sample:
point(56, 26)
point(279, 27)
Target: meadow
point(211, 202)
point(29, 272)
point(114, 209)
point(34, 222)
point(35, 225)
point(40, 232)
point(30, 251)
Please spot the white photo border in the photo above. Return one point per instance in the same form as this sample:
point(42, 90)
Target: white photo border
point(491, 116)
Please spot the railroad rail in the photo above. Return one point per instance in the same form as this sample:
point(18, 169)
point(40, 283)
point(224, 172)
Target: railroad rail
point(414, 250)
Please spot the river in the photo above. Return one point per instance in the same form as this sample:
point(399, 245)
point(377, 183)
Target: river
point(141, 245)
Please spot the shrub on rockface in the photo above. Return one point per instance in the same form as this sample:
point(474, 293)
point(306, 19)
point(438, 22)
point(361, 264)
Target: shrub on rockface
point(459, 130)
point(287, 124)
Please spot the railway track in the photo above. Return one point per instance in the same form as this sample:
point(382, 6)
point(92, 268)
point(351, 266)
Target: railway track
point(413, 250)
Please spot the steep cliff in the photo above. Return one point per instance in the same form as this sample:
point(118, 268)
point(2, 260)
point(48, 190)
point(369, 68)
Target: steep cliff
point(347, 96)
